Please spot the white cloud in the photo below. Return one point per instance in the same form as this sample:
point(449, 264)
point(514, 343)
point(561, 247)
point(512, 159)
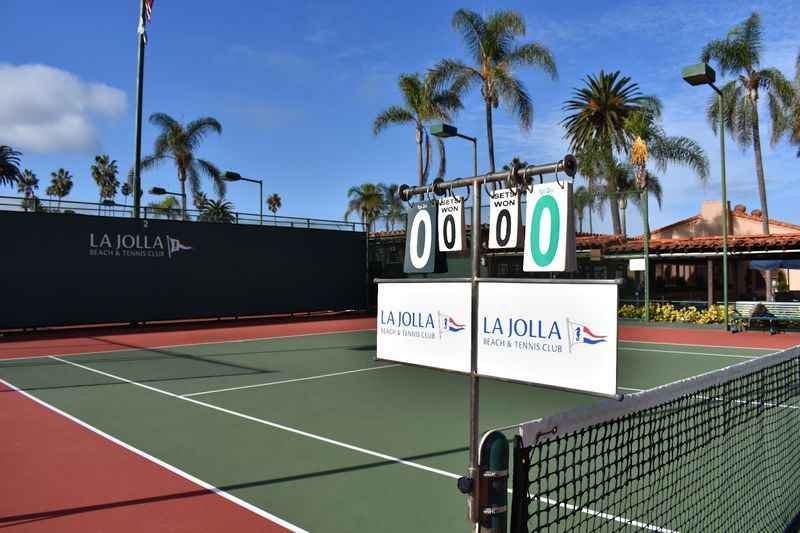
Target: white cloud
point(45, 109)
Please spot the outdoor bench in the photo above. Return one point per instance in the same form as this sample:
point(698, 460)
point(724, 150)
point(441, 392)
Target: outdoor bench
point(782, 311)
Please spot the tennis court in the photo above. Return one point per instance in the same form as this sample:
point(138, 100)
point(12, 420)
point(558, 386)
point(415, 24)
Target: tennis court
point(308, 430)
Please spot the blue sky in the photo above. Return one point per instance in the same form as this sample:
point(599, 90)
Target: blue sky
point(297, 85)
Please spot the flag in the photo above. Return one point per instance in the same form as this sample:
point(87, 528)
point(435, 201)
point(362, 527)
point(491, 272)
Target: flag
point(581, 334)
point(148, 14)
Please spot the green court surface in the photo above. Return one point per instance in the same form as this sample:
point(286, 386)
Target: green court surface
point(312, 428)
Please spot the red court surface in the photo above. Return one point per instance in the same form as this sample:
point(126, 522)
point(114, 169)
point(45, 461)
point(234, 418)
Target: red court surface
point(707, 337)
point(56, 475)
point(65, 342)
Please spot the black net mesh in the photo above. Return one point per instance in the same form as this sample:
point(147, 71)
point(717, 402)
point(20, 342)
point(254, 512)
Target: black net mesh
point(722, 458)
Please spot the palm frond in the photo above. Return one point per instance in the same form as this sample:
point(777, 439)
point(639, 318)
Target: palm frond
point(392, 115)
point(164, 121)
point(534, 55)
point(681, 151)
point(198, 129)
point(455, 75)
point(210, 170)
point(516, 98)
point(472, 27)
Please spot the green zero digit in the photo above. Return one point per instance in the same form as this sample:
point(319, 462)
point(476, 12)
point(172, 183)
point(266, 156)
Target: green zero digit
point(549, 203)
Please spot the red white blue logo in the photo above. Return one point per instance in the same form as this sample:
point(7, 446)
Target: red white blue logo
point(582, 334)
point(448, 324)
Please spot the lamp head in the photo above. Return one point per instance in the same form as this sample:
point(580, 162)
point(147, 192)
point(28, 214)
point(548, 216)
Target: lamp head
point(699, 74)
point(158, 191)
point(443, 130)
point(231, 176)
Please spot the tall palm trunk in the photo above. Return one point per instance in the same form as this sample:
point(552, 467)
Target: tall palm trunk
point(762, 187)
point(490, 136)
point(420, 167)
point(613, 205)
point(591, 230)
point(182, 180)
point(623, 204)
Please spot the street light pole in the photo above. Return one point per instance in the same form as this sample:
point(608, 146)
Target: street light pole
point(235, 176)
point(703, 74)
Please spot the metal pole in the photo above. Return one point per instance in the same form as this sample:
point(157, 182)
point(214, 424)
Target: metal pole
point(724, 186)
point(568, 165)
point(474, 382)
point(646, 249)
point(260, 202)
point(137, 158)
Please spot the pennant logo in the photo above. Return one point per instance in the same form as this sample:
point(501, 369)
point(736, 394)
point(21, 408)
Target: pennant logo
point(581, 334)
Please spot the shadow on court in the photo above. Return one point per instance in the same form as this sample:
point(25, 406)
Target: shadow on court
point(15, 520)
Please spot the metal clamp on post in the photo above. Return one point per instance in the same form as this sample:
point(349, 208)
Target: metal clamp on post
point(493, 483)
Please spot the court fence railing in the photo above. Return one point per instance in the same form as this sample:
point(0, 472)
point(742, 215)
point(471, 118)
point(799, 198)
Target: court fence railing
point(113, 209)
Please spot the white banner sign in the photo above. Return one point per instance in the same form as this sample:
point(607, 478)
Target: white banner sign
point(562, 335)
point(451, 224)
point(504, 219)
point(550, 229)
point(636, 265)
point(425, 324)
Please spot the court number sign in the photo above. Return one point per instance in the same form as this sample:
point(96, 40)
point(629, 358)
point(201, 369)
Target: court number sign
point(421, 239)
point(549, 229)
point(452, 234)
point(504, 219)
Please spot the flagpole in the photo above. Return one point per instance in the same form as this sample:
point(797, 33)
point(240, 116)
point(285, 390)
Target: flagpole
point(137, 161)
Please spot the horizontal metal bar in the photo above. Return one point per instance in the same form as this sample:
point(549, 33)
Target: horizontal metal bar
point(557, 281)
point(561, 424)
point(423, 280)
point(618, 281)
point(568, 165)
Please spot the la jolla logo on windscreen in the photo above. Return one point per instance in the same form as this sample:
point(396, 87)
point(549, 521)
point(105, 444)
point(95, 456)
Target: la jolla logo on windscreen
point(423, 325)
point(134, 245)
point(537, 335)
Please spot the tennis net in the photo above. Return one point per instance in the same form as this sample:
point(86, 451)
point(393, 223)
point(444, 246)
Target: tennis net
point(717, 452)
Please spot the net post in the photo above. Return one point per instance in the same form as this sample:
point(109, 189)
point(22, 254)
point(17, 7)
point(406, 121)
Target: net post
point(473, 499)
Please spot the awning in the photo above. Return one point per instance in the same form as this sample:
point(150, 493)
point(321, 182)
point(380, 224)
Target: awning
point(771, 264)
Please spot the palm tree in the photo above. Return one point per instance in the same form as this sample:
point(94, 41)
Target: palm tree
point(9, 165)
point(392, 204)
point(423, 104)
point(60, 185)
point(596, 127)
point(739, 54)
point(788, 119)
point(217, 211)
point(104, 172)
point(179, 142)
point(491, 43)
point(367, 201)
point(167, 208)
point(583, 199)
point(273, 204)
point(126, 191)
point(27, 183)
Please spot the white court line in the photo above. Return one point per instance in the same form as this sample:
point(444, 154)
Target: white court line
point(707, 354)
point(707, 345)
point(174, 469)
point(333, 442)
point(145, 348)
point(268, 383)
